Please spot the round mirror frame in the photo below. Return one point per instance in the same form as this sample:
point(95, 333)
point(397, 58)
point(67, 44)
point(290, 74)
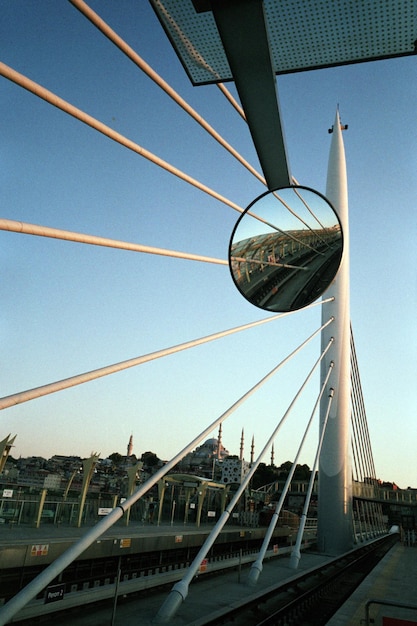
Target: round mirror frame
point(293, 262)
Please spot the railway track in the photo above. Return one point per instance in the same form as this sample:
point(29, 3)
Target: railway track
point(313, 597)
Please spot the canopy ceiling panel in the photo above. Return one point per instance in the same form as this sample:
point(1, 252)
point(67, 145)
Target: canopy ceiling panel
point(303, 35)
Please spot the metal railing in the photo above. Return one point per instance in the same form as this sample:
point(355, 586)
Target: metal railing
point(397, 605)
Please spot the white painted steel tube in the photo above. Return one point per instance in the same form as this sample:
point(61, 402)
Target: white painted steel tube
point(296, 553)
point(180, 590)
point(335, 479)
point(12, 607)
point(60, 385)
point(48, 96)
point(256, 567)
point(145, 67)
point(67, 235)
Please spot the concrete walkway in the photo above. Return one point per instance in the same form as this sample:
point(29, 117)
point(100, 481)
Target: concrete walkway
point(394, 579)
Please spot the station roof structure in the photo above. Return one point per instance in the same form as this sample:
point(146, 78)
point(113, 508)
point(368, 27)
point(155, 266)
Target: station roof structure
point(302, 34)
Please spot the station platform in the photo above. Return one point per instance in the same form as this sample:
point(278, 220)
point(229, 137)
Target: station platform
point(206, 596)
point(394, 579)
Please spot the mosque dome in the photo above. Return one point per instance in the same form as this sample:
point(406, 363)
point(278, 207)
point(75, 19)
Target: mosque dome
point(204, 454)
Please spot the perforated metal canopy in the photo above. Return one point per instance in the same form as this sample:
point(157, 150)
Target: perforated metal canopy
point(303, 34)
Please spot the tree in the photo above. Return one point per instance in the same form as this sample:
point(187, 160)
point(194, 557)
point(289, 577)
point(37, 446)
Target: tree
point(149, 459)
point(302, 472)
point(115, 458)
point(264, 475)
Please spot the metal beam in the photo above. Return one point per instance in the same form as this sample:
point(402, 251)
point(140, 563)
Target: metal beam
point(241, 25)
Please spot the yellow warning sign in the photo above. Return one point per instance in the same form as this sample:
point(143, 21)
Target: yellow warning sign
point(40, 549)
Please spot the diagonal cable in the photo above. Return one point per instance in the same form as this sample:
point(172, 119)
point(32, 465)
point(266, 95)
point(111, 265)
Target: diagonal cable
point(37, 392)
point(179, 591)
point(60, 103)
point(99, 23)
point(66, 235)
point(26, 594)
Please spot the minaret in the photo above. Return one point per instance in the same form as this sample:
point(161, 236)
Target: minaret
point(252, 450)
point(242, 442)
point(272, 455)
point(219, 441)
point(335, 486)
point(130, 446)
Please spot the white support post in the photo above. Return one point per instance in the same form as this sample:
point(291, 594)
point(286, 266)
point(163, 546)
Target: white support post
point(335, 479)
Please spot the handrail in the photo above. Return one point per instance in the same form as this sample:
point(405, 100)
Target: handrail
point(386, 603)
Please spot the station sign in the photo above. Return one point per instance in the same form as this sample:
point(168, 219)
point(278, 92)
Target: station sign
point(54, 593)
point(104, 510)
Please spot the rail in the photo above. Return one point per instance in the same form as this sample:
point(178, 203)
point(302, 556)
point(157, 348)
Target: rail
point(320, 591)
point(94, 590)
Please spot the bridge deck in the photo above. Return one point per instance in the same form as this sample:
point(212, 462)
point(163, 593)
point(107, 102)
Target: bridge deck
point(206, 596)
point(394, 579)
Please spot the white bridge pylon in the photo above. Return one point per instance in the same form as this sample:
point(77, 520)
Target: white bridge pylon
point(335, 475)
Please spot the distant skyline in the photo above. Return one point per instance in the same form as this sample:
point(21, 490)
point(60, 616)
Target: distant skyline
point(68, 308)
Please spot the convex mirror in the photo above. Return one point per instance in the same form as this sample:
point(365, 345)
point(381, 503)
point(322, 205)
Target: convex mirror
point(285, 249)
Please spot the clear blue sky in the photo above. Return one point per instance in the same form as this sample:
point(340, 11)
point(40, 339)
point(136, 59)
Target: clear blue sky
point(68, 308)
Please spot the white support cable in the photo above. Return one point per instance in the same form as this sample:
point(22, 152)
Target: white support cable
point(37, 392)
point(60, 103)
point(361, 412)
point(13, 606)
point(358, 471)
point(295, 214)
point(232, 100)
point(309, 209)
point(358, 522)
point(179, 591)
point(365, 430)
point(360, 416)
point(256, 567)
point(357, 427)
point(359, 388)
point(376, 520)
point(365, 517)
point(356, 412)
point(356, 441)
point(66, 235)
point(368, 471)
point(296, 553)
point(368, 518)
point(357, 460)
point(99, 23)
